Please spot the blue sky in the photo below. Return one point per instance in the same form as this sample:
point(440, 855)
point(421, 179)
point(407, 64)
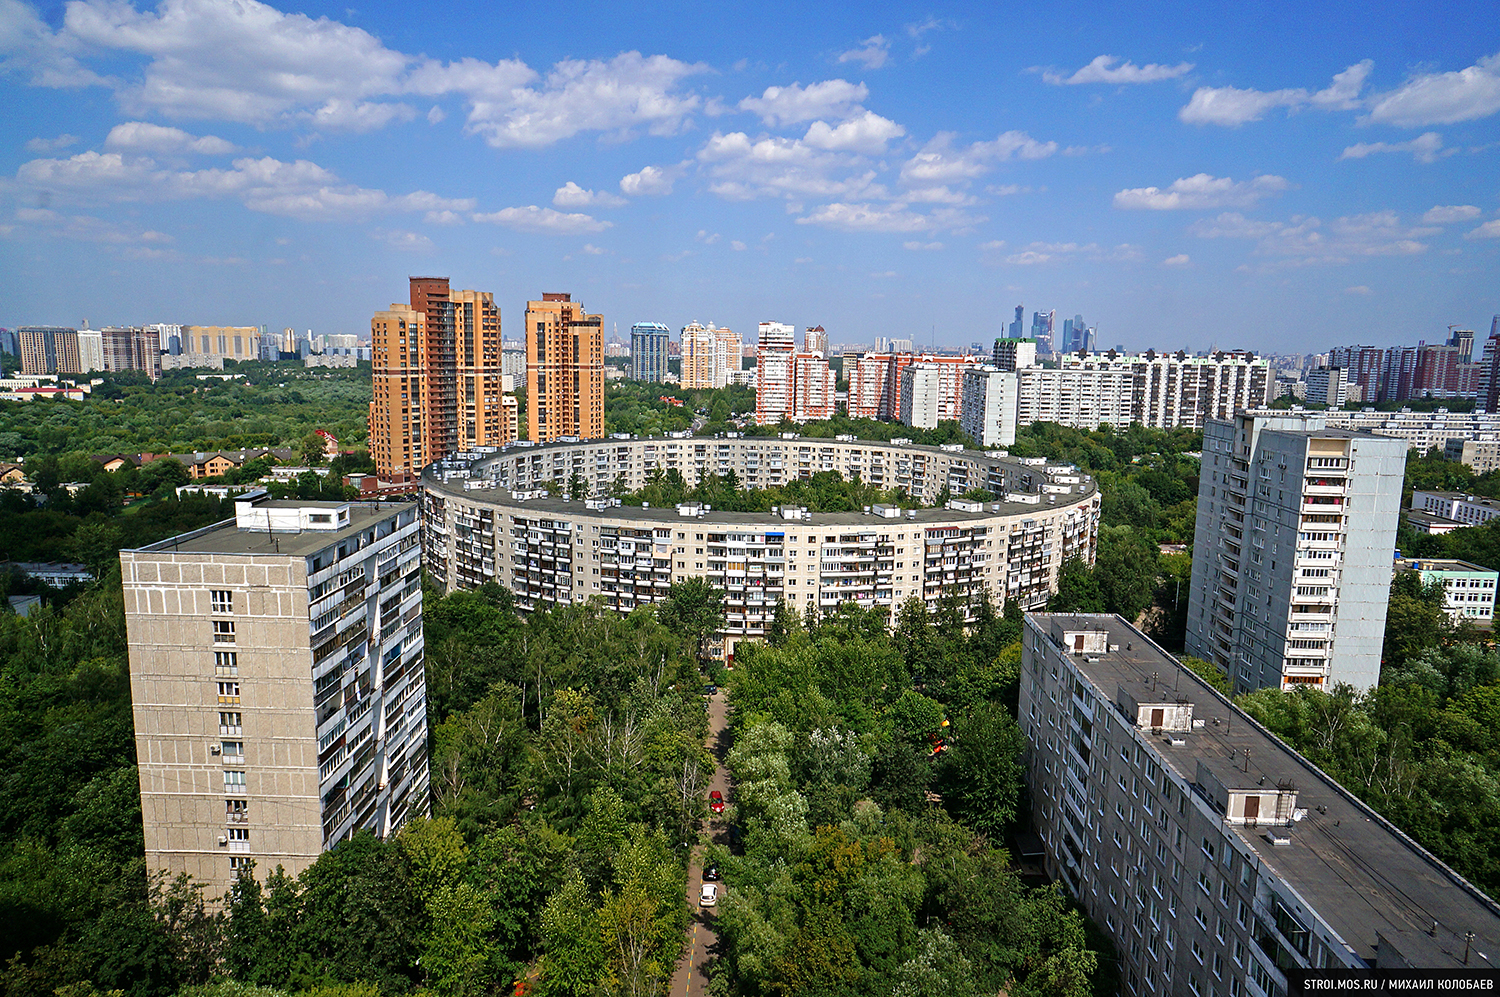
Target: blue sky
point(1271, 177)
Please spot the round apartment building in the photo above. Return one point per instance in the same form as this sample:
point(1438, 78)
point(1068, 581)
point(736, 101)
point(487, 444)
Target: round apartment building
point(488, 516)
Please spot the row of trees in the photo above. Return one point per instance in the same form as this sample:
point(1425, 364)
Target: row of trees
point(878, 773)
point(824, 491)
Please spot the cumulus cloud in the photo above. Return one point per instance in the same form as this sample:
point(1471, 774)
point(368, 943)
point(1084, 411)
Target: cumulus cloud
point(46, 145)
point(742, 168)
point(868, 134)
point(1442, 98)
point(649, 181)
point(87, 228)
point(1180, 260)
point(1443, 214)
point(1358, 289)
point(1489, 230)
point(246, 61)
point(1201, 191)
point(737, 246)
point(939, 162)
point(1425, 148)
point(918, 246)
point(142, 136)
point(570, 195)
point(830, 99)
point(299, 189)
point(406, 242)
point(1306, 239)
point(872, 52)
point(1110, 69)
point(1232, 106)
point(545, 221)
point(895, 217)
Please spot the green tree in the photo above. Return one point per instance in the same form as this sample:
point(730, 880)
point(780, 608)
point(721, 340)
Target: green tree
point(694, 609)
point(1078, 591)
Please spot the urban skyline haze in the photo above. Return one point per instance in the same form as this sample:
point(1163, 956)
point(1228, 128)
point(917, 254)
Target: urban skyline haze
point(1285, 181)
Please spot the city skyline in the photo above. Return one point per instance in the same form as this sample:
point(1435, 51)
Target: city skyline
point(1185, 181)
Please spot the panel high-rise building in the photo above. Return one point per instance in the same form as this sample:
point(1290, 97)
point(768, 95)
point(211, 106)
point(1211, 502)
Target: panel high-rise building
point(230, 342)
point(648, 351)
point(276, 684)
point(710, 356)
point(775, 372)
point(564, 370)
point(48, 349)
point(1291, 554)
point(91, 350)
point(436, 367)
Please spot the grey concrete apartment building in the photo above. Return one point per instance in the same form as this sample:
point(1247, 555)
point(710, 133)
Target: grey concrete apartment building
point(276, 677)
point(1292, 551)
point(1213, 855)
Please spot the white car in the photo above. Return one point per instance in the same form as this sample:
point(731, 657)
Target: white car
point(709, 896)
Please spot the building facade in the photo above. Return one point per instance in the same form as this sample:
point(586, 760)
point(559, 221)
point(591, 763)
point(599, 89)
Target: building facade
point(815, 340)
point(132, 348)
point(710, 356)
point(90, 350)
point(277, 684)
point(775, 372)
point(648, 351)
point(1213, 856)
point(1420, 430)
point(1481, 455)
point(1463, 509)
point(1327, 386)
point(48, 349)
point(1291, 553)
point(564, 370)
point(1468, 589)
point(227, 342)
point(988, 413)
point(488, 519)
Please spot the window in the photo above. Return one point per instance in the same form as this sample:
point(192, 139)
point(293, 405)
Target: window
point(226, 664)
point(229, 692)
point(1197, 916)
point(239, 834)
point(1219, 965)
point(1197, 952)
point(238, 862)
point(1209, 849)
point(234, 778)
point(223, 631)
point(236, 811)
point(220, 601)
point(232, 749)
point(1205, 884)
point(1238, 953)
point(229, 723)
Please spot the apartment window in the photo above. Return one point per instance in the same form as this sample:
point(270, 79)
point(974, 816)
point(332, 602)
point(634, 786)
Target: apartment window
point(1198, 916)
point(1197, 953)
point(229, 723)
point(1193, 980)
point(232, 749)
point(1219, 965)
point(1209, 849)
point(226, 664)
point(1242, 914)
point(223, 631)
point(221, 601)
point(229, 692)
point(234, 779)
point(1224, 892)
point(239, 834)
point(1205, 884)
point(238, 862)
point(1237, 953)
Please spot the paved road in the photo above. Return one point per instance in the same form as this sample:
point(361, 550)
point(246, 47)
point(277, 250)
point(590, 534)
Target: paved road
point(690, 979)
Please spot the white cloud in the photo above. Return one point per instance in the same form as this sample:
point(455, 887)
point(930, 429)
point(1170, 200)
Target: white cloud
point(1443, 214)
point(706, 237)
point(1426, 148)
point(872, 52)
point(590, 249)
point(245, 61)
point(887, 218)
point(443, 218)
point(406, 242)
point(1180, 260)
point(737, 246)
point(299, 189)
point(87, 228)
point(1232, 106)
point(46, 145)
point(142, 136)
point(612, 97)
point(918, 247)
point(543, 220)
point(1489, 230)
point(1358, 289)
point(939, 163)
point(867, 134)
point(1442, 98)
point(649, 181)
point(570, 195)
point(1103, 69)
point(742, 169)
point(1306, 239)
point(435, 114)
point(1201, 191)
point(830, 99)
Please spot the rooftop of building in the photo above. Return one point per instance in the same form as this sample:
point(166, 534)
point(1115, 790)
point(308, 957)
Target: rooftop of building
point(1440, 564)
point(1361, 874)
point(1418, 517)
point(272, 537)
point(1461, 497)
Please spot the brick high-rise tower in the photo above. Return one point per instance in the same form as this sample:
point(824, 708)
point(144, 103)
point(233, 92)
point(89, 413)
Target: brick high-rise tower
point(564, 370)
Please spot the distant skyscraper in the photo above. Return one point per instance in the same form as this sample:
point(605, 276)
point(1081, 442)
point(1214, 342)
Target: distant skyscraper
point(710, 355)
point(91, 350)
point(775, 368)
point(1018, 328)
point(8, 342)
point(564, 370)
point(132, 348)
point(1041, 330)
point(648, 351)
point(815, 340)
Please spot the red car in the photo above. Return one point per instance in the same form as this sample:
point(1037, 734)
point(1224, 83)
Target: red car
point(716, 802)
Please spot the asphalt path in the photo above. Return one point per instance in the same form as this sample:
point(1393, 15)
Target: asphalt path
point(691, 978)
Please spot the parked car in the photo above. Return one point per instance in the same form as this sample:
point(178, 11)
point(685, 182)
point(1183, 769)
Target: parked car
point(710, 874)
point(716, 802)
point(709, 896)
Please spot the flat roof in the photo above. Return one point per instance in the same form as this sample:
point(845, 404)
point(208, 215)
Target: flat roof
point(1460, 496)
point(227, 538)
point(1441, 564)
point(1363, 876)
